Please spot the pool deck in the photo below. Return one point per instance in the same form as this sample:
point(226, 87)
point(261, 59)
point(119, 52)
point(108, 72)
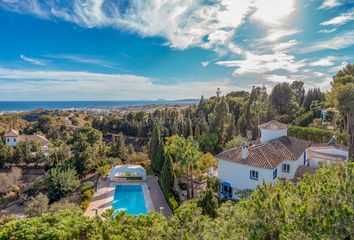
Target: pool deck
point(103, 198)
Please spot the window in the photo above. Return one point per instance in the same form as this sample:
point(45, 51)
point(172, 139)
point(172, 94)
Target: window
point(286, 168)
point(8, 139)
point(14, 139)
point(275, 173)
point(254, 175)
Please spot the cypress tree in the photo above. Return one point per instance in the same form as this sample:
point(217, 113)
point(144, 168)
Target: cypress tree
point(208, 203)
point(197, 132)
point(189, 130)
point(167, 176)
point(156, 150)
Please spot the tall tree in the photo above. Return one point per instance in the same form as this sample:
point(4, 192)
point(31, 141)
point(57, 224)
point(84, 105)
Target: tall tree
point(299, 90)
point(343, 98)
point(258, 109)
point(189, 131)
point(283, 99)
point(313, 94)
point(156, 150)
point(221, 120)
point(208, 203)
point(118, 148)
point(167, 176)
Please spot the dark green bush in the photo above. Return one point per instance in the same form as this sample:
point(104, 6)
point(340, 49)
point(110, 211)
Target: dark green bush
point(313, 134)
point(304, 119)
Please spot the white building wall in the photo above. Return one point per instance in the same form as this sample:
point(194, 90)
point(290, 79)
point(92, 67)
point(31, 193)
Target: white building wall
point(11, 141)
point(267, 134)
point(293, 166)
point(238, 175)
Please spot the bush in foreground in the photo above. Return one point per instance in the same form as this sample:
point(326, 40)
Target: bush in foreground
point(320, 206)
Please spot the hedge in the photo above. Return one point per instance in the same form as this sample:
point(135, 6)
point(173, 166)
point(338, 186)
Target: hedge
point(313, 134)
point(304, 119)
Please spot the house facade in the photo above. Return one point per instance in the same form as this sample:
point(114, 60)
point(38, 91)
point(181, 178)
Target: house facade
point(277, 155)
point(12, 138)
point(322, 154)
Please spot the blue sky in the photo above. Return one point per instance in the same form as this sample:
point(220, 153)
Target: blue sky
point(173, 49)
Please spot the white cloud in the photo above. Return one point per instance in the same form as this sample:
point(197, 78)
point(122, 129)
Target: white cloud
point(276, 34)
point(86, 85)
point(273, 12)
point(330, 4)
point(283, 46)
point(32, 60)
point(328, 30)
point(83, 59)
point(339, 42)
point(184, 23)
point(265, 63)
point(324, 62)
point(278, 79)
point(340, 20)
point(204, 64)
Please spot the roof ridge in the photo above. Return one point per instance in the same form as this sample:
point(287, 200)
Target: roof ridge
point(286, 148)
point(260, 149)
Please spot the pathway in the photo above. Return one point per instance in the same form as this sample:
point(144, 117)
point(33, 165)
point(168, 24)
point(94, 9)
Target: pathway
point(157, 196)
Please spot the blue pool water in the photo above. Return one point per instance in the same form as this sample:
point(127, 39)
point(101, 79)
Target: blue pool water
point(129, 198)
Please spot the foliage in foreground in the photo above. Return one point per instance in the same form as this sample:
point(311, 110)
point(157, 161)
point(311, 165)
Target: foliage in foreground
point(318, 207)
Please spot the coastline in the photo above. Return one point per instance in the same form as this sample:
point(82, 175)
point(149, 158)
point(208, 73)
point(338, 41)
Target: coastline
point(104, 110)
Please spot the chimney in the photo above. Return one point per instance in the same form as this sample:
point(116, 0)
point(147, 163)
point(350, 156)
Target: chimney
point(244, 151)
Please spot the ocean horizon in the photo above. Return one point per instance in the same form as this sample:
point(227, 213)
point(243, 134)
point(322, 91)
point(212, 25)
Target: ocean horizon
point(9, 106)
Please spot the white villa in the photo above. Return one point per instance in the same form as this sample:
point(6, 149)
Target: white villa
point(12, 137)
point(276, 156)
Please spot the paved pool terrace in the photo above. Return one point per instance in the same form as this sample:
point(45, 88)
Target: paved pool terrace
point(103, 198)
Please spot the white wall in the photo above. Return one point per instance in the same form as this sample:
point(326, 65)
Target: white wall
point(293, 166)
point(11, 141)
point(267, 134)
point(238, 175)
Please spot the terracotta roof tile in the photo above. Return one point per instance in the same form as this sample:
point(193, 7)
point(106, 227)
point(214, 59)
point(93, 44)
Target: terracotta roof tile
point(302, 170)
point(11, 133)
point(27, 138)
point(267, 155)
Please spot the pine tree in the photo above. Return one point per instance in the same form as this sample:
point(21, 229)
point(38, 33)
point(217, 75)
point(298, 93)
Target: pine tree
point(156, 150)
point(167, 176)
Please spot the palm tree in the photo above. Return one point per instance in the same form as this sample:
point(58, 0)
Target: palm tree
point(188, 156)
point(258, 109)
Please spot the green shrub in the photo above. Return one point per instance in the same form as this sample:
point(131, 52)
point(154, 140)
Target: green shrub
point(313, 134)
point(88, 194)
point(86, 186)
point(304, 119)
point(104, 170)
point(84, 204)
point(284, 118)
point(172, 202)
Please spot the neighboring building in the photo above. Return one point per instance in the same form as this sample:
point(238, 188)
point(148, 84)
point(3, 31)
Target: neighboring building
point(326, 154)
point(12, 137)
point(250, 165)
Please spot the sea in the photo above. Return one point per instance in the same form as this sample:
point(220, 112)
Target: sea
point(15, 106)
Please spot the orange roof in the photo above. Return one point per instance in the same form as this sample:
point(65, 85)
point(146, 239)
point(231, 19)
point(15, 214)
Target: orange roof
point(273, 125)
point(37, 138)
point(11, 133)
point(267, 155)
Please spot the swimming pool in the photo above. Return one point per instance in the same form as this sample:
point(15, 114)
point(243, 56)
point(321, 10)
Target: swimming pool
point(129, 198)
